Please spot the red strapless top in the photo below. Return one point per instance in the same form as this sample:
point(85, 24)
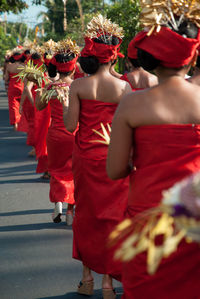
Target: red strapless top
point(125, 78)
point(163, 155)
point(93, 113)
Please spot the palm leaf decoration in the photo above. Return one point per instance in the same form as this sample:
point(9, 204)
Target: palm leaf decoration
point(55, 91)
point(32, 72)
point(105, 135)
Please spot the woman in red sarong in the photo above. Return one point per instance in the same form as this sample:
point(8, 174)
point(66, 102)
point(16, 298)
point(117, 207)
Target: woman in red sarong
point(138, 78)
point(39, 121)
point(15, 88)
point(60, 142)
point(162, 126)
point(100, 203)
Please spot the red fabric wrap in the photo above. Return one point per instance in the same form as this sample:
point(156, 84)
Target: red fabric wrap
point(172, 49)
point(132, 50)
point(103, 52)
point(173, 154)
point(64, 66)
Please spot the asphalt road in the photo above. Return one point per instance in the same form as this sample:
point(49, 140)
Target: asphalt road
point(35, 254)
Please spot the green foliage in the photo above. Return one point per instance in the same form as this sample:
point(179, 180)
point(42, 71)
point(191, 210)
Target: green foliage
point(126, 14)
point(10, 34)
point(12, 5)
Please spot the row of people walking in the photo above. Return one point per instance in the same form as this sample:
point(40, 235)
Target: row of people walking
point(154, 143)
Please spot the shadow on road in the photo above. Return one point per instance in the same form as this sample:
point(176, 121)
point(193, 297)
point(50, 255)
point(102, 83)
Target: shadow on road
point(34, 226)
point(97, 295)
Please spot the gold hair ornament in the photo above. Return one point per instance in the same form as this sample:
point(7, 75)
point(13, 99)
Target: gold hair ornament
point(49, 48)
point(157, 13)
point(100, 25)
point(67, 46)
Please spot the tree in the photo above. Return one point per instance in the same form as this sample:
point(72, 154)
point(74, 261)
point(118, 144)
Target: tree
point(14, 6)
point(126, 14)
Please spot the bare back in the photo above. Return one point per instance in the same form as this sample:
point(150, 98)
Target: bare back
point(175, 101)
point(13, 68)
point(102, 87)
point(139, 78)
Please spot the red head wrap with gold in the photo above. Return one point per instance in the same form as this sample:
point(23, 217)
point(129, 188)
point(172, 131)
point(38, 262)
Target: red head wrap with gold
point(172, 49)
point(103, 52)
point(64, 67)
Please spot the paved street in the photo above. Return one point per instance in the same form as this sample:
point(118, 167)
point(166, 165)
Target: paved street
point(35, 254)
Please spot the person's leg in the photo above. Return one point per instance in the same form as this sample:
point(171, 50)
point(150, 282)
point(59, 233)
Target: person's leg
point(69, 214)
point(57, 212)
point(86, 284)
point(107, 287)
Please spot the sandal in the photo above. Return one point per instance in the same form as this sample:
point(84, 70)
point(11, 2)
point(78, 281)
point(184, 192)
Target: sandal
point(46, 176)
point(109, 293)
point(86, 288)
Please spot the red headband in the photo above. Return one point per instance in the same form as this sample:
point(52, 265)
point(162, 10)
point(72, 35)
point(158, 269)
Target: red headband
point(17, 57)
point(103, 52)
point(64, 67)
point(172, 49)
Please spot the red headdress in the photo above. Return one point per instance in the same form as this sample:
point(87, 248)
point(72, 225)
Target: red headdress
point(172, 49)
point(103, 52)
point(104, 28)
point(17, 56)
point(64, 67)
point(132, 50)
point(67, 47)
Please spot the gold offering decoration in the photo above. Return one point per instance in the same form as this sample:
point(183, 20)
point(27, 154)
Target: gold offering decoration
point(158, 231)
point(157, 13)
point(100, 25)
point(32, 73)
point(67, 46)
point(105, 136)
point(57, 91)
point(49, 48)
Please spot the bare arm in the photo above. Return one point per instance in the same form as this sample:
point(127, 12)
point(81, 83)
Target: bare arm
point(119, 151)
point(40, 105)
point(71, 114)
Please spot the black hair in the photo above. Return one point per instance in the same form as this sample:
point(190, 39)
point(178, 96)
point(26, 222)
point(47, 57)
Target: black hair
point(89, 64)
point(110, 40)
point(114, 61)
point(134, 62)
point(35, 56)
point(198, 62)
point(149, 62)
point(27, 52)
point(64, 57)
point(12, 59)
